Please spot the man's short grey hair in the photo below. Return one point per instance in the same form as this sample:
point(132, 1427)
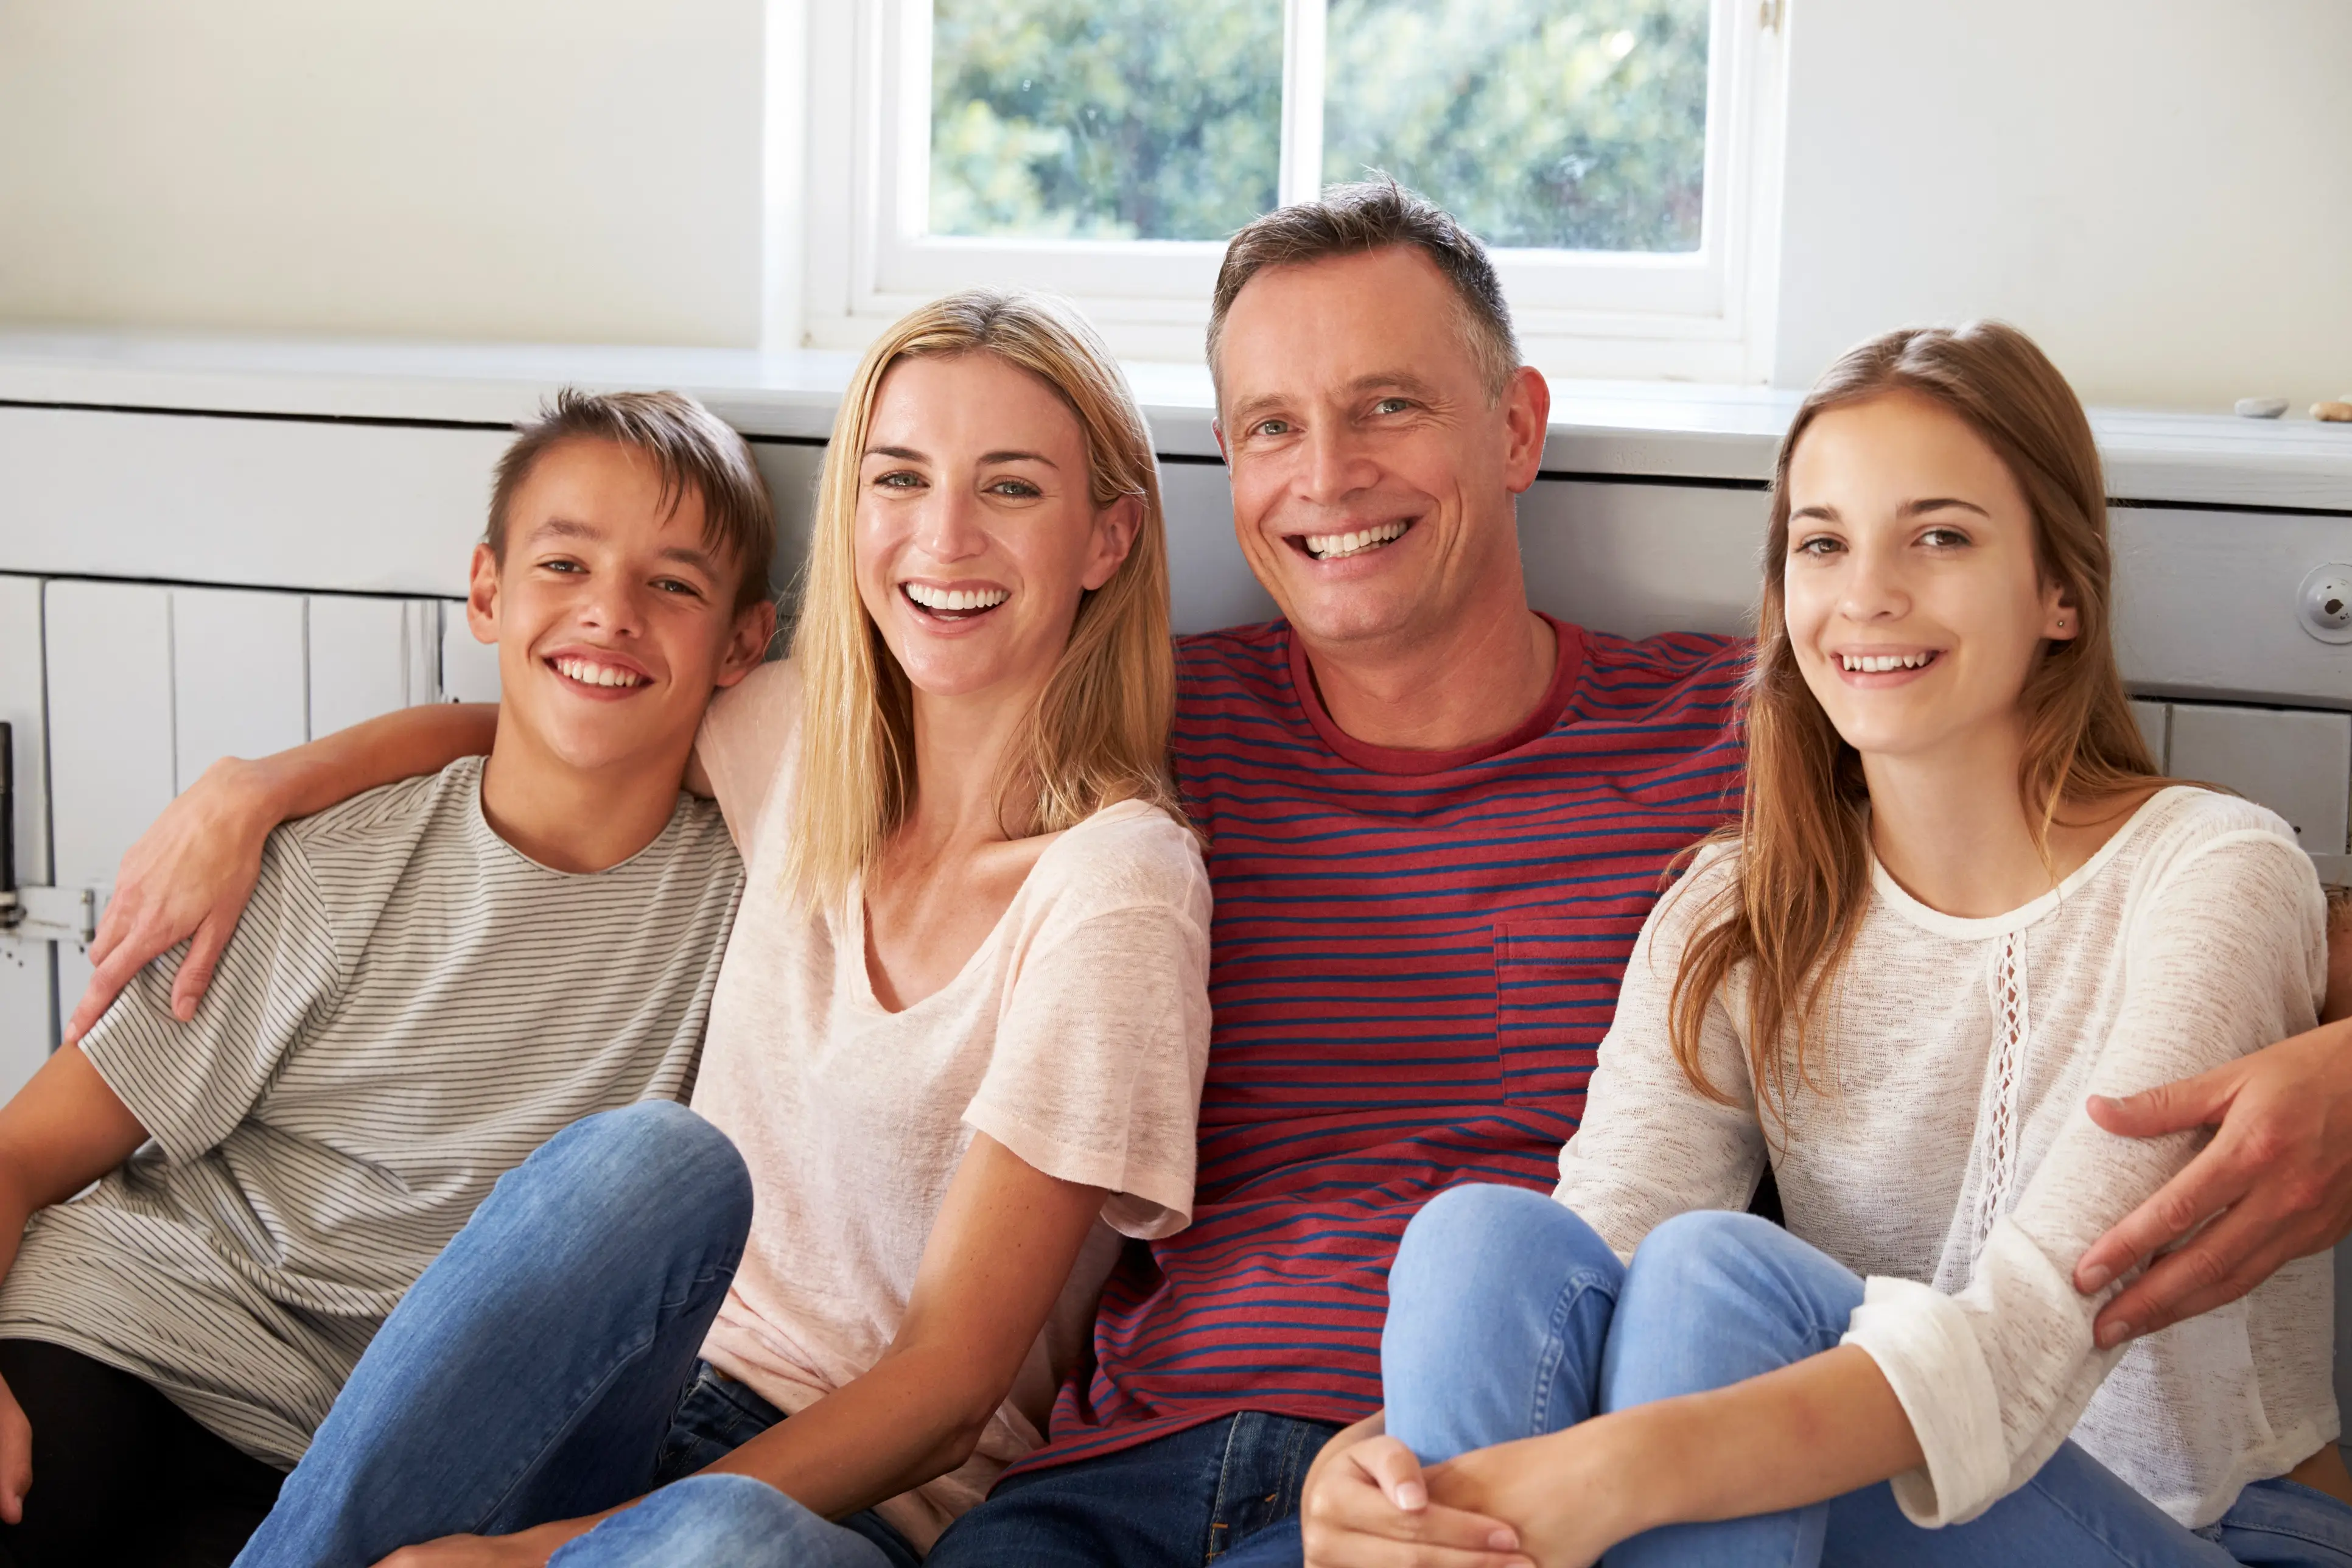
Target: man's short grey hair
point(1373, 214)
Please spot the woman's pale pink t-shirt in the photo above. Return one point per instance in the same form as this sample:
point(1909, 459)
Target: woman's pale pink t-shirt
point(1076, 1036)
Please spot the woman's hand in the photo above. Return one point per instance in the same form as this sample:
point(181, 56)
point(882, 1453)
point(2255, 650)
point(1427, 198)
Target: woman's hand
point(188, 877)
point(1565, 1492)
point(1365, 1506)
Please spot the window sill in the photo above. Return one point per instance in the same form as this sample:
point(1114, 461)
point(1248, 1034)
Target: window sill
point(1635, 430)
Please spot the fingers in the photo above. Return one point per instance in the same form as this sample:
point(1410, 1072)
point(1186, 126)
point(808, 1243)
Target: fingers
point(2170, 1106)
point(106, 983)
point(1352, 1518)
point(2228, 1257)
point(195, 975)
point(2209, 1183)
point(1397, 1470)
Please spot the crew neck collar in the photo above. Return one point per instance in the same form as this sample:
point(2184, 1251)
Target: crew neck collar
point(1566, 665)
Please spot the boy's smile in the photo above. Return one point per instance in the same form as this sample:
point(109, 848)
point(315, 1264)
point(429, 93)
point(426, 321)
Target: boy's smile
point(615, 620)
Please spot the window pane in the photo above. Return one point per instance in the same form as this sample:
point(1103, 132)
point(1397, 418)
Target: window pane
point(1071, 117)
point(1577, 126)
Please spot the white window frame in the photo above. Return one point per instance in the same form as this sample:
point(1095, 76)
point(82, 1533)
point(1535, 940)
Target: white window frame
point(1701, 316)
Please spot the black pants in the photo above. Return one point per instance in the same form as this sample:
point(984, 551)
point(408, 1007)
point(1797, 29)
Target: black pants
point(121, 1474)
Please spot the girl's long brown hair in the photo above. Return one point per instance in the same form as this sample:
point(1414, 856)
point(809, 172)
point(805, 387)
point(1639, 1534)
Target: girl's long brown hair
point(1787, 921)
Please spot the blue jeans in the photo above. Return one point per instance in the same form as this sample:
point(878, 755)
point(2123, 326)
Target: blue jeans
point(1224, 1492)
point(1509, 1318)
point(547, 1366)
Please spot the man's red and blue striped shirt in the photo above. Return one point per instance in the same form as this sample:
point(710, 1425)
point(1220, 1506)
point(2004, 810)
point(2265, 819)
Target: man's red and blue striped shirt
point(1413, 957)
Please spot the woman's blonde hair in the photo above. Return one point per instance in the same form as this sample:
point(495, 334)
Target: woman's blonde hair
point(1803, 837)
point(1098, 733)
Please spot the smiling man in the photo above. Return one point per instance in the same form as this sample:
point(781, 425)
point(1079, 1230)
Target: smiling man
point(430, 980)
point(1436, 820)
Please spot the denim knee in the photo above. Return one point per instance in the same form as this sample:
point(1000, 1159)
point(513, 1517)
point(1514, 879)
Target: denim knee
point(653, 1158)
point(1477, 1236)
point(710, 1519)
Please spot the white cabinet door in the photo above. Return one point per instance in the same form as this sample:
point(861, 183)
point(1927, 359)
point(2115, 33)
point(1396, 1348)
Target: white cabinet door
point(2155, 724)
point(238, 677)
point(2296, 762)
point(369, 656)
point(28, 1028)
point(470, 669)
point(110, 722)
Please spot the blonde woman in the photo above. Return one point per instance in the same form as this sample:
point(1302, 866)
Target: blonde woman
point(960, 1024)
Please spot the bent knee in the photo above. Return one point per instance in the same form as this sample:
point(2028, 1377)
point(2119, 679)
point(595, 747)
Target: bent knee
point(655, 1156)
point(1477, 1232)
point(725, 1519)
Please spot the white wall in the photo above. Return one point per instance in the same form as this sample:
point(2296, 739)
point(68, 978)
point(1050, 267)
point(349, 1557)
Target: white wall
point(567, 169)
point(2160, 190)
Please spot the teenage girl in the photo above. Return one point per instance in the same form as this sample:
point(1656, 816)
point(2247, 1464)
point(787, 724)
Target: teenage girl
point(1959, 903)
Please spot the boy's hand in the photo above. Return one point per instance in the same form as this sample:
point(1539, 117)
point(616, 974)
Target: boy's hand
point(1365, 1505)
point(189, 876)
point(15, 1457)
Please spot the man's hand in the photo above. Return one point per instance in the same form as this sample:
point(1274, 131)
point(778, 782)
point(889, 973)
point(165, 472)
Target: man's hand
point(188, 877)
point(1365, 1506)
point(2278, 1172)
point(15, 1457)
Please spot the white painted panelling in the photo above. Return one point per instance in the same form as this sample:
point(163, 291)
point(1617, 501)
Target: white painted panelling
point(369, 656)
point(470, 669)
point(238, 677)
point(27, 1026)
point(244, 503)
point(2297, 764)
point(1638, 560)
point(111, 749)
point(2153, 724)
point(1210, 582)
point(20, 709)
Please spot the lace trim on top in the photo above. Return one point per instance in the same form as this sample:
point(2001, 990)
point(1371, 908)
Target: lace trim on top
point(1998, 1130)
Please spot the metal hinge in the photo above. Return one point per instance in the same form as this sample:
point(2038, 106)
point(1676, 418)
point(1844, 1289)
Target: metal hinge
point(51, 914)
point(1768, 13)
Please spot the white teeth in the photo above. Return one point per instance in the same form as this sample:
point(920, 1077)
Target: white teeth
point(1879, 663)
point(932, 598)
point(588, 674)
point(1333, 546)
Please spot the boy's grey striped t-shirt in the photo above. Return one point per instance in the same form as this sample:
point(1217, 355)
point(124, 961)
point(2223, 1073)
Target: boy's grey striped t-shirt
point(409, 1008)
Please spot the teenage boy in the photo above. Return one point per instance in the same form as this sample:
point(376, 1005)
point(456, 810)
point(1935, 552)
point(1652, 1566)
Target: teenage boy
point(430, 980)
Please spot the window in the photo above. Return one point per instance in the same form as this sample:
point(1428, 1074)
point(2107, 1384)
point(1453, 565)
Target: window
point(1614, 154)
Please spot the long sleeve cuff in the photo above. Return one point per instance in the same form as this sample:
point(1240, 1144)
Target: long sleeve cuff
point(1924, 1344)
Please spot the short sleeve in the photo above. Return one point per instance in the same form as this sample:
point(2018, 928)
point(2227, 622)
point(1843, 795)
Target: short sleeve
point(190, 1084)
point(745, 745)
point(1650, 1145)
point(2222, 957)
point(1103, 1037)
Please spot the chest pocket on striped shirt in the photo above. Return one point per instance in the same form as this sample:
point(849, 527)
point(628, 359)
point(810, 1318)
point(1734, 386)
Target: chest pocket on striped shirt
point(1555, 987)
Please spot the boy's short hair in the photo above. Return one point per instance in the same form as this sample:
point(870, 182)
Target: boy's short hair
point(1373, 214)
point(696, 451)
